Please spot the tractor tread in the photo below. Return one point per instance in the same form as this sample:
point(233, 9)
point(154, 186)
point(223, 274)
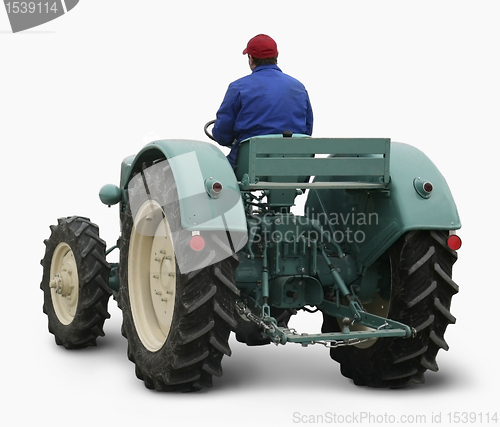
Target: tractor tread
point(214, 370)
point(422, 289)
point(220, 345)
point(195, 332)
point(440, 342)
point(205, 300)
point(89, 251)
point(431, 288)
point(426, 323)
point(429, 364)
point(405, 358)
point(452, 285)
point(189, 359)
point(421, 261)
point(194, 304)
point(228, 283)
point(224, 315)
point(444, 311)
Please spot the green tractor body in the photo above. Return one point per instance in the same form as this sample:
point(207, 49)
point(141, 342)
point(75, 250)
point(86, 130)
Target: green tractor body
point(206, 250)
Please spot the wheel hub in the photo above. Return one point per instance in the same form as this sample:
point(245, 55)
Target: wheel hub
point(64, 283)
point(162, 271)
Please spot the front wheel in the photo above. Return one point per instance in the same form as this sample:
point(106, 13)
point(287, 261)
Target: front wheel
point(75, 282)
point(421, 288)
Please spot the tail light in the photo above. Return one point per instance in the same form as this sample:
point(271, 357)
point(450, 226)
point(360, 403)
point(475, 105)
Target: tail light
point(213, 187)
point(197, 242)
point(423, 188)
point(454, 242)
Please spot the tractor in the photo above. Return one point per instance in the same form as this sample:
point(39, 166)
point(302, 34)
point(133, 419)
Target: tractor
point(206, 250)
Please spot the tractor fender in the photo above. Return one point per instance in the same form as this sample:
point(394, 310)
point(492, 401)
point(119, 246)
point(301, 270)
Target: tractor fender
point(196, 165)
point(371, 221)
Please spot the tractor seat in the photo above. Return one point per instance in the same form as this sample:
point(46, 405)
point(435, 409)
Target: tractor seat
point(244, 164)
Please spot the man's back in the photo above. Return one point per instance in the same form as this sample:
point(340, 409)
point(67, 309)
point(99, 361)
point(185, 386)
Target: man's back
point(262, 103)
point(265, 102)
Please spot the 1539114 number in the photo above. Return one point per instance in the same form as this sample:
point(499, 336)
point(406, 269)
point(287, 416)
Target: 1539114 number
point(31, 7)
point(459, 417)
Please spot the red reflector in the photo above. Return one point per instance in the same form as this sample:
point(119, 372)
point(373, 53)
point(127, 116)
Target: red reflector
point(197, 243)
point(454, 242)
point(428, 187)
point(217, 187)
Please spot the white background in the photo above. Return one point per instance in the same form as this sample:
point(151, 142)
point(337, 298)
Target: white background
point(80, 93)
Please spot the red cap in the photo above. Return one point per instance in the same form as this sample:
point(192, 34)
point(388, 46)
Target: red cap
point(262, 47)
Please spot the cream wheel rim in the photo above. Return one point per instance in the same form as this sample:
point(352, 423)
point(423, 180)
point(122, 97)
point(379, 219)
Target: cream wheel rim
point(151, 275)
point(64, 283)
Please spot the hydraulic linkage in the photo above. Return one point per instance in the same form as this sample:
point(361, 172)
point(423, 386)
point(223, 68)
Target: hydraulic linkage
point(353, 314)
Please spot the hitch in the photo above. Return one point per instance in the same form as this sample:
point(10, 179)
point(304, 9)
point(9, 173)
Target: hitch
point(349, 315)
point(379, 327)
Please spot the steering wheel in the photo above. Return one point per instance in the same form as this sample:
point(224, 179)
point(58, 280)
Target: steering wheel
point(207, 133)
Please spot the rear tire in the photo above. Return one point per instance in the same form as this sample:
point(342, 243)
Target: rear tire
point(177, 325)
point(75, 283)
point(421, 291)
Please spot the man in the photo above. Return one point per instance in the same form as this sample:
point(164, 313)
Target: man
point(265, 102)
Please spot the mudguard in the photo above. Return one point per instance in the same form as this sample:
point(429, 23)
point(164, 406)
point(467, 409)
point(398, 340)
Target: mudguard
point(195, 165)
point(371, 221)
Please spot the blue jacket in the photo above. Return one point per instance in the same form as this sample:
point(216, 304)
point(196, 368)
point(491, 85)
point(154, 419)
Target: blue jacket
point(265, 102)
